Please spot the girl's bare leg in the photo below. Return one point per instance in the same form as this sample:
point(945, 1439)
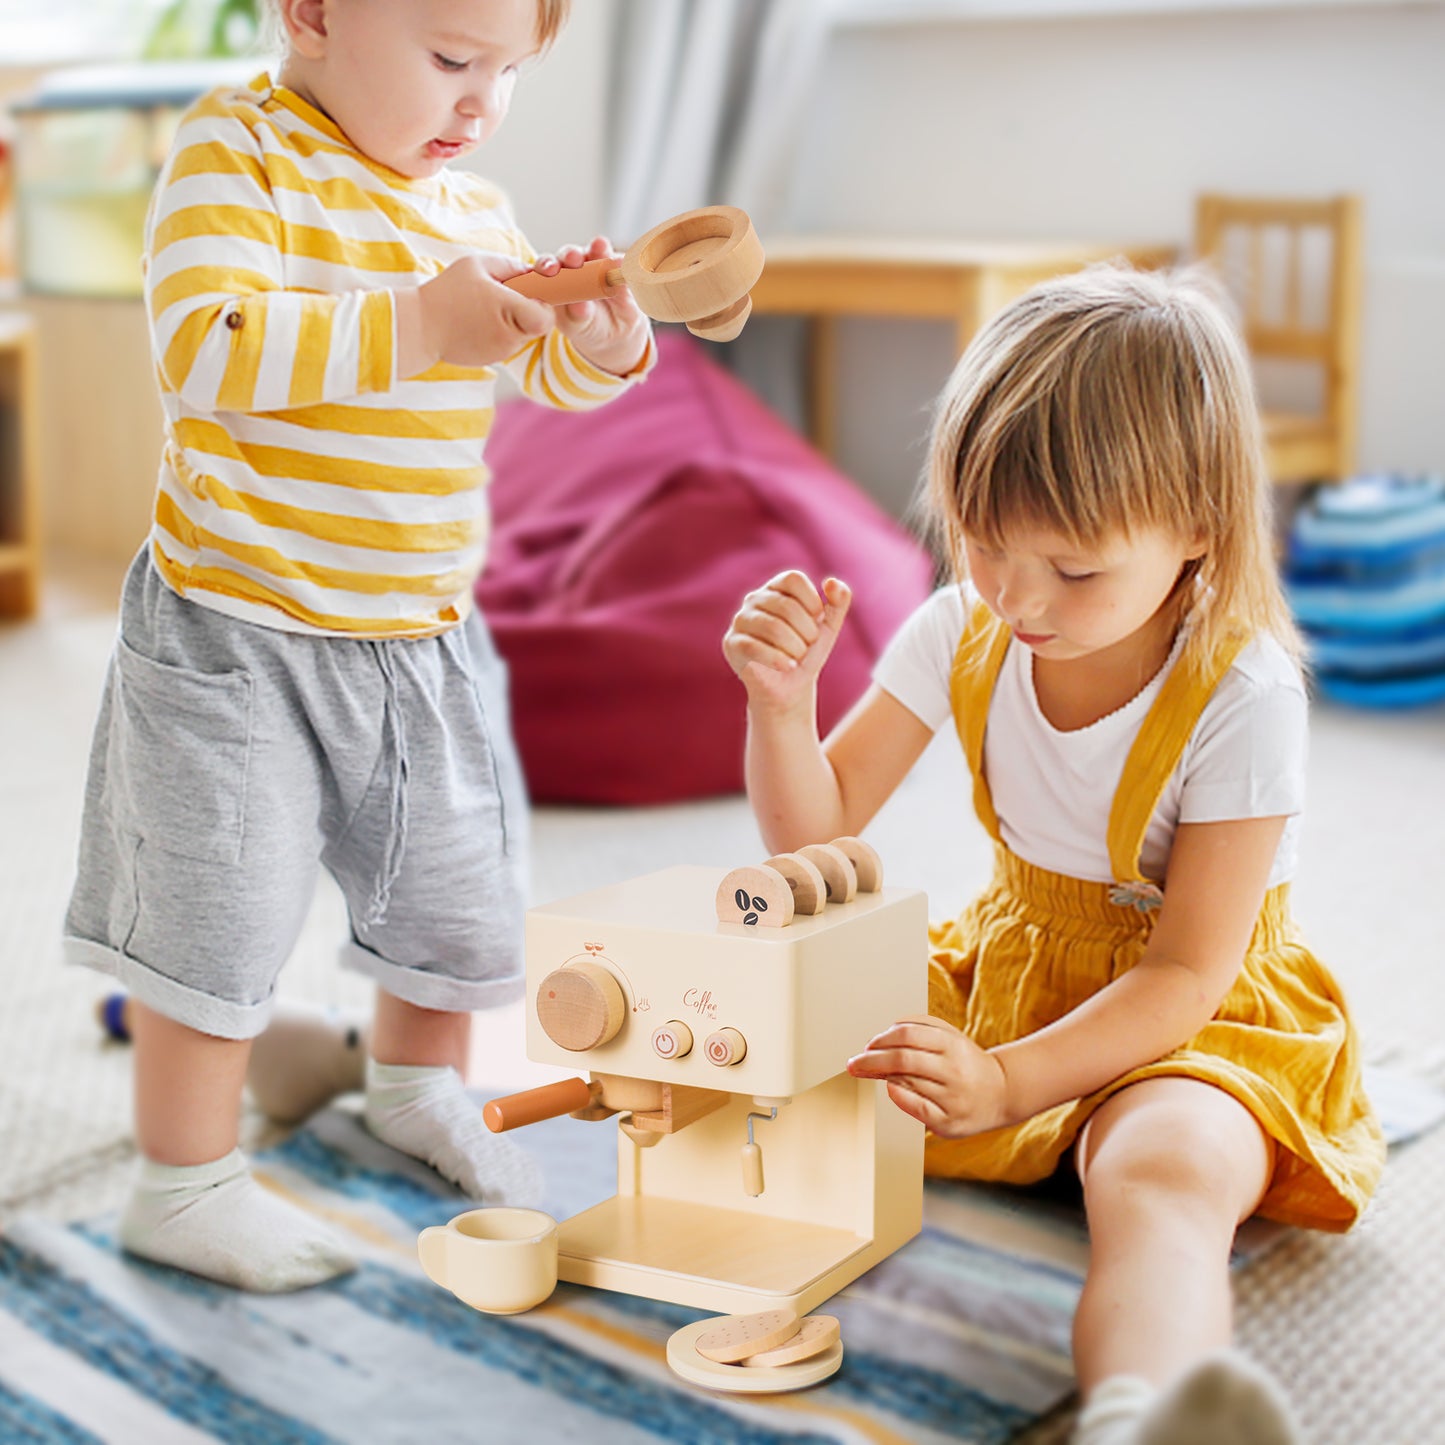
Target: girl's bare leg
point(194, 1205)
point(416, 1101)
point(1170, 1168)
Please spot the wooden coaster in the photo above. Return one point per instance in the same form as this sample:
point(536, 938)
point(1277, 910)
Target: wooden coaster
point(865, 860)
point(810, 892)
point(815, 1334)
point(685, 1362)
point(837, 870)
point(754, 896)
point(735, 1337)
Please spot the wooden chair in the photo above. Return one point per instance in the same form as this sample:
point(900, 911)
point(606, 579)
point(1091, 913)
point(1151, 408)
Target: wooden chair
point(1294, 267)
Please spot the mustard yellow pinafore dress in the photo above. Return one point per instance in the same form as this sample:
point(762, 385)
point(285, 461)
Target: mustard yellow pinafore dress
point(1035, 944)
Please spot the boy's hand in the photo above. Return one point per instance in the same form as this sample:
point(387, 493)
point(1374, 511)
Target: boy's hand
point(939, 1076)
point(611, 333)
point(782, 635)
point(466, 317)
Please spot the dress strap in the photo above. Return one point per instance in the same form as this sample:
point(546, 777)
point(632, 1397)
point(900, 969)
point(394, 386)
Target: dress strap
point(1157, 748)
point(976, 665)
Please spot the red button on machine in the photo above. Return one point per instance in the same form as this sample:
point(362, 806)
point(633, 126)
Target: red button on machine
point(726, 1046)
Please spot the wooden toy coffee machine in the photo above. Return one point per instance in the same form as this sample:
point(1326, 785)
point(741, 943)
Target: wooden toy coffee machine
point(717, 1011)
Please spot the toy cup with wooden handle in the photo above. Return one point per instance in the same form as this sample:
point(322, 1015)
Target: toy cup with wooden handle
point(697, 268)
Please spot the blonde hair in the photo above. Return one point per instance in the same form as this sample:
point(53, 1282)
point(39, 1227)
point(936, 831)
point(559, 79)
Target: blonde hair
point(552, 15)
point(1113, 401)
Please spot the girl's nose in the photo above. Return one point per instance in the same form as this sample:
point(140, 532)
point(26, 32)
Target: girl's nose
point(1018, 600)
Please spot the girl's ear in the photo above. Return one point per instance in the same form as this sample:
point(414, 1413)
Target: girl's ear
point(304, 22)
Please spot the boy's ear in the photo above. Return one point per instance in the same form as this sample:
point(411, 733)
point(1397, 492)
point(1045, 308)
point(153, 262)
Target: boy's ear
point(305, 24)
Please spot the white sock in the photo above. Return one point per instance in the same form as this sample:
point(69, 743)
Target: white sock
point(216, 1221)
point(306, 1056)
point(424, 1111)
point(1114, 1410)
point(1224, 1400)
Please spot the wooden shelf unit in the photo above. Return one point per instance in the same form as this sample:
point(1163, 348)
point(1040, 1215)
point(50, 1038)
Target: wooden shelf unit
point(19, 470)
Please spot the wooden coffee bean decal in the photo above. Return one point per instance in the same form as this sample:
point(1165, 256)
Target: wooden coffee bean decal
point(755, 896)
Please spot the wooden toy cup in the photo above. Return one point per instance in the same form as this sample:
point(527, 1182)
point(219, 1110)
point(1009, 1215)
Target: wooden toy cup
point(500, 1260)
point(697, 268)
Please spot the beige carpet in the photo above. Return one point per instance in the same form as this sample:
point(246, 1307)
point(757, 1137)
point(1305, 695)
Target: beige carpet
point(1350, 1324)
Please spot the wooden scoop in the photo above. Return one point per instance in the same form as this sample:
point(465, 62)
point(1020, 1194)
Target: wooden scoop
point(697, 268)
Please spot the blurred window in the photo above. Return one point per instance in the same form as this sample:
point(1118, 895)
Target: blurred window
point(878, 12)
point(59, 31)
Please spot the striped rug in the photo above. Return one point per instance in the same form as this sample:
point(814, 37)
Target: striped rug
point(963, 1335)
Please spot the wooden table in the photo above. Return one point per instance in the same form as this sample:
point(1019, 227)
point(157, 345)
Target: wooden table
point(966, 282)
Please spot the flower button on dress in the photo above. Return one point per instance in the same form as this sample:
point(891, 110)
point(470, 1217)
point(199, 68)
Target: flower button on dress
point(1137, 893)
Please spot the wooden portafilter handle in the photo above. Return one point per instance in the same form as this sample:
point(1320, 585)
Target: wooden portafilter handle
point(590, 281)
point(533, 1105)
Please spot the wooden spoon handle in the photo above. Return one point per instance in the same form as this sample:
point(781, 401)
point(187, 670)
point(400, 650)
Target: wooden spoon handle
point(588, 282)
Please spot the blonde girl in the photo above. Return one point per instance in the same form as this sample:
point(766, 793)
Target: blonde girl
point(1128, 997)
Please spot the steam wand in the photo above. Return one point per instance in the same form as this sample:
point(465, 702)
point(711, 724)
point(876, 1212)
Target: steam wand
point(753, 1157)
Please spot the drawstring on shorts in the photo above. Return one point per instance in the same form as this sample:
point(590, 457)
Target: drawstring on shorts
point(394, 732)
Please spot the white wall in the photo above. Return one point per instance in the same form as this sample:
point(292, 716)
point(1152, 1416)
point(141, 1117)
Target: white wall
point(1090, 127)
point(549, 152)
point(1107, 127)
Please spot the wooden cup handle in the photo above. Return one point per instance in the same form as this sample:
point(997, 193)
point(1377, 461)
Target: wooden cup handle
point(588, 282)
point(533, 1105)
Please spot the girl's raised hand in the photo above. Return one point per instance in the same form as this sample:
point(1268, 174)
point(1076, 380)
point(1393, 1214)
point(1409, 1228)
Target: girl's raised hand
point(937, 1075)
point(782, 635)
point(612, 332)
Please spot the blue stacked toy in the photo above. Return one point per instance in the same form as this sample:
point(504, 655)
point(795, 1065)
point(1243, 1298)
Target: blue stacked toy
point(1365, 574)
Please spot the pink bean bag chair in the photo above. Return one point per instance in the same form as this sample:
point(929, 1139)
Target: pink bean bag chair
point(623, 542)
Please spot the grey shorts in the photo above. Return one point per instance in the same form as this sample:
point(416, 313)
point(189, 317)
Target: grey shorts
point(230, 759)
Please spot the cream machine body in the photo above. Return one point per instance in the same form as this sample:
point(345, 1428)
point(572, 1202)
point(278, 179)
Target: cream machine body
point(752, 1170)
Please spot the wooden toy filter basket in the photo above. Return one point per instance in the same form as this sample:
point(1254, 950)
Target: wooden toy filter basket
point(697, 268)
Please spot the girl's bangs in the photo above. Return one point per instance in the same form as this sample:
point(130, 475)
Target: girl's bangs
point(1045, 473)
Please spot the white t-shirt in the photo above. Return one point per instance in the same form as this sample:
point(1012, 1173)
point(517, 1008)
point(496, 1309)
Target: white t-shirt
point(1053, 790)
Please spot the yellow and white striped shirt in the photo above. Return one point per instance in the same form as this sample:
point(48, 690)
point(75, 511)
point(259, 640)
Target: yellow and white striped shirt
point(304, 485)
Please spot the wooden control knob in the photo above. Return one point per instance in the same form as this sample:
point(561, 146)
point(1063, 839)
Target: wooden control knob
point(673, 1040)
point(726, 1046)
point(580, 1005)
